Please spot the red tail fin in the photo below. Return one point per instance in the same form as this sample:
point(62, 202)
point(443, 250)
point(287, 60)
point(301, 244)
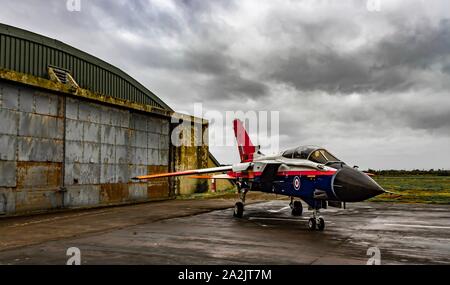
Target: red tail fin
point(245, 145)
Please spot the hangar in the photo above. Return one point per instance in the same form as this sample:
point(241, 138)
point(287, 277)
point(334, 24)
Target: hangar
point(74, 129)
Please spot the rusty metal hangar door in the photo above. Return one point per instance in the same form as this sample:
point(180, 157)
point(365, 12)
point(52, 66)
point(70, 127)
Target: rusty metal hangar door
point(58, 151)
point(105, 147)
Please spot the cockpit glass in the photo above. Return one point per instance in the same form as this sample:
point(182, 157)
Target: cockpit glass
point(288, 153)
point(322, 156)
point(302, 153)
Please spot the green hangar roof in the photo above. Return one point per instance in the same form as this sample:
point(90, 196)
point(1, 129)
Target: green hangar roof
point(26, 52)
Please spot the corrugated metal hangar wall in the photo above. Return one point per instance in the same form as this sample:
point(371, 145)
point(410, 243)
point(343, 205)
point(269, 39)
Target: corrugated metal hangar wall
point(65, 147)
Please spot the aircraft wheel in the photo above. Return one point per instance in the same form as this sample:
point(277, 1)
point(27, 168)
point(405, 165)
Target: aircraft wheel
point(320, 224)
point(312, 224)
point(238, 210)
point(297, 209)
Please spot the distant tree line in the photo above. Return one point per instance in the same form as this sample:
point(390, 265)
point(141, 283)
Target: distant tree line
point(393, 172)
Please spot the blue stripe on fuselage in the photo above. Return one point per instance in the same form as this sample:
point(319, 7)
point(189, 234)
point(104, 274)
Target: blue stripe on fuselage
point(284, 185)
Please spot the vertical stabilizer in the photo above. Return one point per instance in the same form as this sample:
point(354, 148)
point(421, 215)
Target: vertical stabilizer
point(245, 145)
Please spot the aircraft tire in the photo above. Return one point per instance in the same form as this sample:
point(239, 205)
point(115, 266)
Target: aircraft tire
point(320, 224)
point(238, 210)
point(312, 224)
point(297, 209)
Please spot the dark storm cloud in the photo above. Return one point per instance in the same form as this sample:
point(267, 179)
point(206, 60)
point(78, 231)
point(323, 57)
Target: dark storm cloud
point(226, 80)
point(222, 77)
point(208, 61)
point(205, 53)
point(338, 74)
point(431, 121)
point(430, 113)
point(394, 63)
point(327, 71)
point(417, 47)
point(232, 86)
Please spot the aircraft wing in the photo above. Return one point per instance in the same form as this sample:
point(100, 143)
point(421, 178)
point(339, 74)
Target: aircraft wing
point(185, 173)
point(214, 176)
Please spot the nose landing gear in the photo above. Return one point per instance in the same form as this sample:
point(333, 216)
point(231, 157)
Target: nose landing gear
point(316, 222)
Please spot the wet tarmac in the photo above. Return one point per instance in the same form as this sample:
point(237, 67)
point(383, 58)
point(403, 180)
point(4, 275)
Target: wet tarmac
point(267, 234)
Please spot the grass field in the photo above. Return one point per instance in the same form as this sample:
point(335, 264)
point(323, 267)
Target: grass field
point(415, 189)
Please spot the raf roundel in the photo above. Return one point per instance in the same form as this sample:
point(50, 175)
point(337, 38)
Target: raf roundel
point(296, 183)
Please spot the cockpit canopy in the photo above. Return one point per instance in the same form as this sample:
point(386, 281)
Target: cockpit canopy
point(312, 153)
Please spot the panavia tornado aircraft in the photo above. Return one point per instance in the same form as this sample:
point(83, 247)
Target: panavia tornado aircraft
point(309, 173)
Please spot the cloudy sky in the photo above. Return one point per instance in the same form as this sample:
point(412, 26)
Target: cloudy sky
point(369, 81)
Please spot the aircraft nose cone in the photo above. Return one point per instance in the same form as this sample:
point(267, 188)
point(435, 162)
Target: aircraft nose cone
point(351, 185)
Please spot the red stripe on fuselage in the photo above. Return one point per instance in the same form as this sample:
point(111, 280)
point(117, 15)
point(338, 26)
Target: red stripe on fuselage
point(284, 173)
point(305, 172)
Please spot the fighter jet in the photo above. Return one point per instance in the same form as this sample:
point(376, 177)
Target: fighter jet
point(309, 173)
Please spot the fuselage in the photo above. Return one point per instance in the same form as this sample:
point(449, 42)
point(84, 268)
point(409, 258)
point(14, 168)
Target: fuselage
point(310, 173)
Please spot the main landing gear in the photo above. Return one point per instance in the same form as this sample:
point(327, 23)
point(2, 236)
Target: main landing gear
point(316, 222)
point(296, 207)
point(238, 210)
point(239, 206)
